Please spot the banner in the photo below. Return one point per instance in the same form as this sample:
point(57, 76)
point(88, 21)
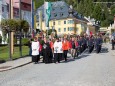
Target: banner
point(47, 13)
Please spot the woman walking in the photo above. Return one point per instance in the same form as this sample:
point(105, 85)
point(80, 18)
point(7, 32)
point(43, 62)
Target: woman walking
point(65, 47)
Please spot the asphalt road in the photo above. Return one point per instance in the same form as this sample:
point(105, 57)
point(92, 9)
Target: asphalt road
point(88, 70)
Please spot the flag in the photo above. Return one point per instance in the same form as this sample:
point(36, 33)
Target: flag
point(40, 20)
point(91, 33)
point(88, 32)
point(114, 21)
point(47, 13)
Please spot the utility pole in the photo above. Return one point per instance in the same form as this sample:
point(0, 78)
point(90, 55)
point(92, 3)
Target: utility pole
point(20, 29)
point(10, 32)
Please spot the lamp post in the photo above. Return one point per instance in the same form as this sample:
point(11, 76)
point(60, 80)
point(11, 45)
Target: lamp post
point(20, 28)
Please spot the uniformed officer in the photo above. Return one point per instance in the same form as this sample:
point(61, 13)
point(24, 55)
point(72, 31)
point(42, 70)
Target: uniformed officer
point(98, 43)
point(90, 44)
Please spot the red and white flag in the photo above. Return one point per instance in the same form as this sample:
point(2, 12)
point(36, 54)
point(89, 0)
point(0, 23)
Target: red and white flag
point(91, 33)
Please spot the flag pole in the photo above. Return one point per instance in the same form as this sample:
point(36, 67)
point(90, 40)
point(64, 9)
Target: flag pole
point(45, 21)
point(32, 19)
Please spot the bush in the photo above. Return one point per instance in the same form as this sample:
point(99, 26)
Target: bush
point(25, 41)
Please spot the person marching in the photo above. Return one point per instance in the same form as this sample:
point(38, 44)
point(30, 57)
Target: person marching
point(81, 44)
point(90, 44)
point(113, 42)
point(98, 43)
point(47, 52)
point(84, 45)
point(77, 46)
point(73, 49)
point(35, 50)
point(65, 47)
point(57, 50)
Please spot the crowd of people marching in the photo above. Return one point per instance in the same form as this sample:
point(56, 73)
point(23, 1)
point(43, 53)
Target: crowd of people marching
point(56, 50)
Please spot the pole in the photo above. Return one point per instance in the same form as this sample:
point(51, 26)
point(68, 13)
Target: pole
point(20, 29)
point(32, 17)
point(9, 32)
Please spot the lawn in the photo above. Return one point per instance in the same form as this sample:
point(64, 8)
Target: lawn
point(4, 52)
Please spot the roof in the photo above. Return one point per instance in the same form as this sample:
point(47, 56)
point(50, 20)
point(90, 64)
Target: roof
point(60, 10)
point(91, 21)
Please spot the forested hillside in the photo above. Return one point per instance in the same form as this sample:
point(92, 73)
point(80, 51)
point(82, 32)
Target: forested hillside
point(101, 10)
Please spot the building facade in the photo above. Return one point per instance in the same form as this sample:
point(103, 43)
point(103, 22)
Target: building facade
point(25, 10)
point(64, 19)
point(92, 25)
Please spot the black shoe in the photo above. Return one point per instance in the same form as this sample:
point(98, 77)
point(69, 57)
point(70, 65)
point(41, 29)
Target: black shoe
point(36, 63)
point(58, 61)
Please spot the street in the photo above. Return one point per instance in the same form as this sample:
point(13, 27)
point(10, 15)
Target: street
point(87, 70)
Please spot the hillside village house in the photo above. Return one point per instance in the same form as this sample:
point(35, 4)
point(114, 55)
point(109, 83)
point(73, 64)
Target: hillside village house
point(64, 19)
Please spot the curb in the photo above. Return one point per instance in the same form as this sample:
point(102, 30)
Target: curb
point(15, 67)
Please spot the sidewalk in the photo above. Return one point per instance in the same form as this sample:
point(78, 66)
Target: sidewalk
point(14, 64)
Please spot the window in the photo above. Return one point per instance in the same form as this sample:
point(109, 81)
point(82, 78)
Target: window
point(70, 28)
point(61, 8)
point(59, 30)
point(70, 22)
point(53, 23)
point(64, 29)
point(2, 9)
point(55, 15)
point(64, 22)
point(61, 14)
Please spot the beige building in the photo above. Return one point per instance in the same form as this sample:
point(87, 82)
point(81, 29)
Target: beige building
point(63, 19)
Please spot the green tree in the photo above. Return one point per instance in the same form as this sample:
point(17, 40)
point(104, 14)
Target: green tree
point(97, 11)
point(112, 8)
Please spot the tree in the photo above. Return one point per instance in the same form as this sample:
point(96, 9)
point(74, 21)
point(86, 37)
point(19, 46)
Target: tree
point(112, 8)
point(97, 11)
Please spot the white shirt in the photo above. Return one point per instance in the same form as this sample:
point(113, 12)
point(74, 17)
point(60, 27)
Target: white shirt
point(58, 47)
point(35, 48)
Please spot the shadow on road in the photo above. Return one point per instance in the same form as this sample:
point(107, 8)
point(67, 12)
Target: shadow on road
point(82, 56)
